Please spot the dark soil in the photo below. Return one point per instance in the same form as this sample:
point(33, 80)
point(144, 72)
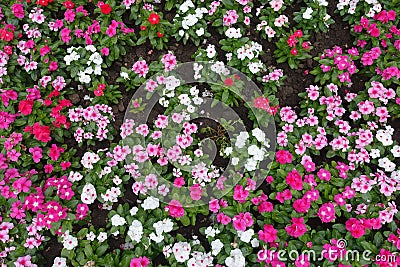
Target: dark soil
point(297, 81)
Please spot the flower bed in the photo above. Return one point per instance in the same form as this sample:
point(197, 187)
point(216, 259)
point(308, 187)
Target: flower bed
point(199, 133)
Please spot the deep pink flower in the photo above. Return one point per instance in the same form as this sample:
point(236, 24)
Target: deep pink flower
point(283, 157)
point(294, 179)
point(269, 234)
point(175, 209)
point(297, 228)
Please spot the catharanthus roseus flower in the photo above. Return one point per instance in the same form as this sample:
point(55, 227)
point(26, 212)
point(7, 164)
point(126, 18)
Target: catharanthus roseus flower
point(43, 2)
point(242, 221)
point(25, 107)
point(139, 262)
point(355, 227)
point(154, 19)
point(283, 157)
point(261, 103)
point(228, 81)
point(269, 234)
point(69, 4)
point(175, 209)
point(104, 8)
point(294, 179)
point(18, 11)
point(41, 132)
point(297, 228)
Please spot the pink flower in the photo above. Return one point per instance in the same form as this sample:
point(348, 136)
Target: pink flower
point(301, 205)
point(355, 227)
point(242, 221)
point(139, 262)
point(324, 175)
point(48, 168)
point(269, 234)
point(327, 212)
point(283, 157)
point(36, 153)
point(65, 35)
point(175, 209)
point(302, 261)
point(179, 182)
point(105, 51)
point(240, 194)
point(223, 219)
point(214, 205)
point(294, 179)
point(53, 66)
point(18, 11)
point(297, 229)
point(196, 191)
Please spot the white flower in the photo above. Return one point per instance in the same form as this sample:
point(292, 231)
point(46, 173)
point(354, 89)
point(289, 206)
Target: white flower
point(228, 150)
point(88, 159)
point(211, 51)
point(60, 262)
point(385, 136)
point(117, 220)
point(102, 237)
point(194, 91)
point(124, 75)
point(386, 164)
point(156, 238)
point(133, 211)
point(322, 2)
point(236, 259)
point(246, 235)
point(241, 139)
point(216, 247)
point(83, 77)
point(91, 48)
point(69, 241)
point(74, 176)
point(89, 194)
point(235, 161)
point(200, 259)
point(167, 250)
point(181, 32)
point(150, 203)
point(135, 231)
point(254, 67)
point(258, 134)
point(269, 31)
point(164, 226)
point(233, 33)
point(396, 151)
point(200, 32)
point(189, 21)
point(308, 13)
point(117, 180)
point(255, 243)
point(375, 153)
point(210, 232)
point(181, 251)
point(251, 164)
point(184, 7)
point(90, 236)
point(395, 175)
